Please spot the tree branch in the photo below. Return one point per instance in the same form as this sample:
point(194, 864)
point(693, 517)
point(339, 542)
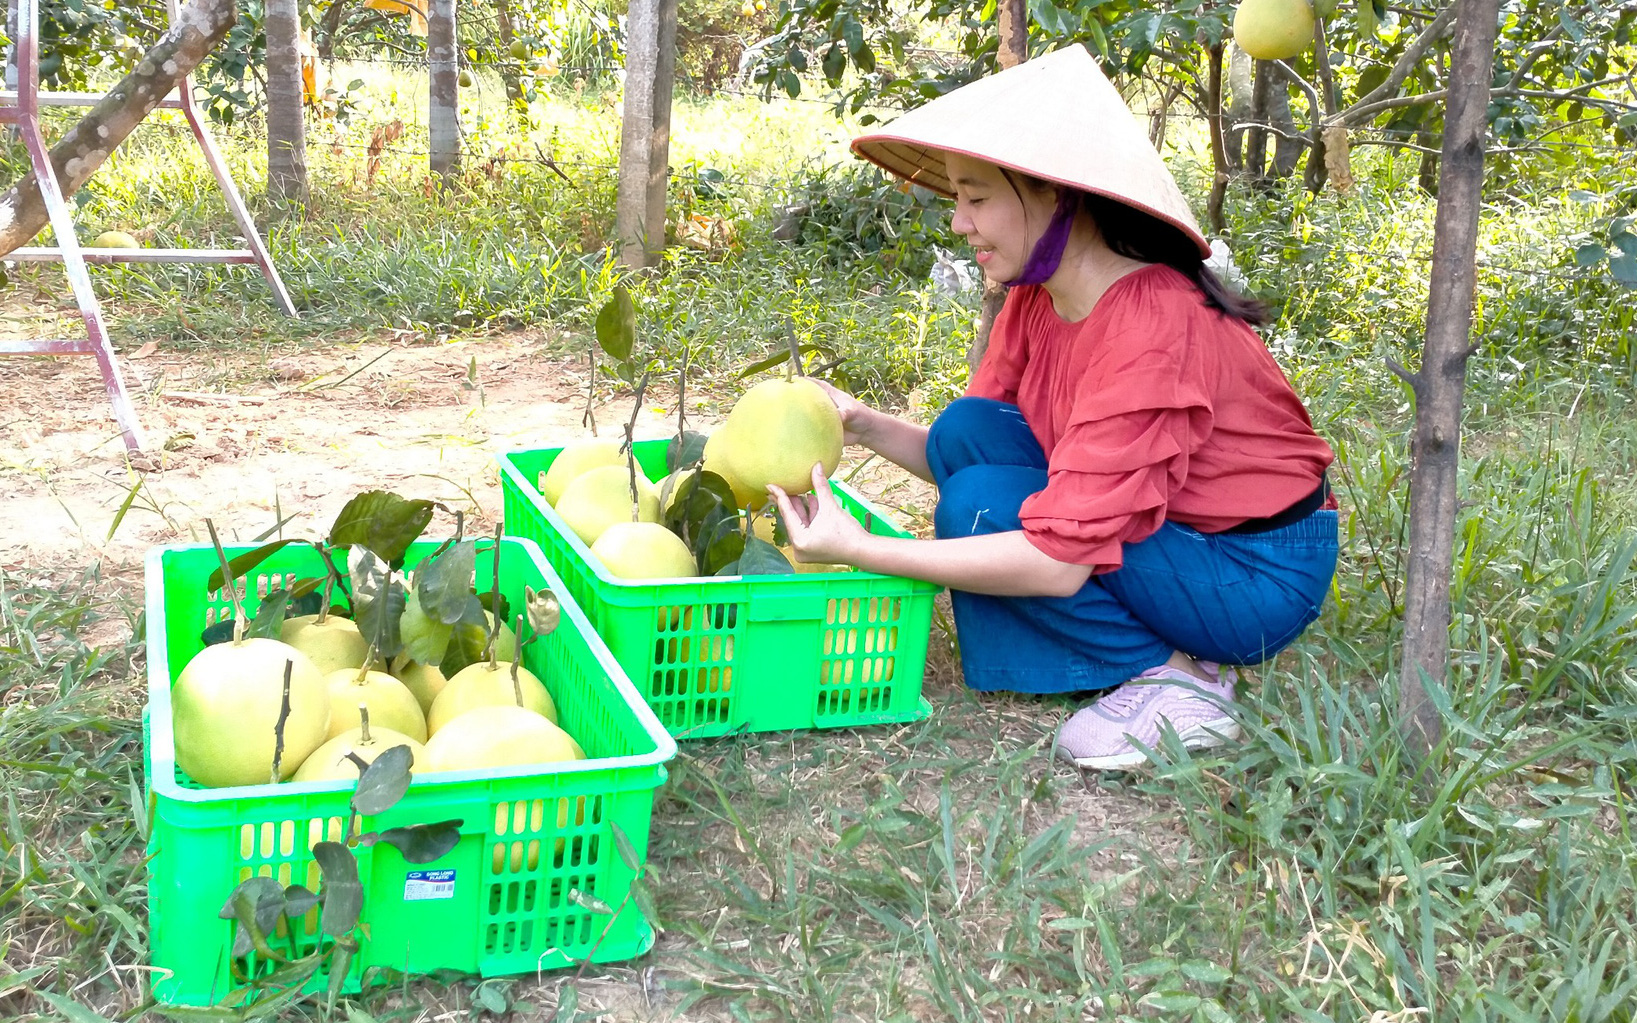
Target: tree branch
point(1407, 62)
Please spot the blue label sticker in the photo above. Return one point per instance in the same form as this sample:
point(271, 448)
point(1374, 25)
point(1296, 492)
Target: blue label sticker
point(421, 885)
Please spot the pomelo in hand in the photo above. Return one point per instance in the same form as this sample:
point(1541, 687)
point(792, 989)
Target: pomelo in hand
point(598, 498)
point(1273, 29)
point(575, 459)
point(499, 736)
point(330, 761)
point(483, 685)
point(777, 431)
point(331, 645)
point(644, 550)
point(225, 709)
point(425, 681)
point(714, 461)
point(391, 704)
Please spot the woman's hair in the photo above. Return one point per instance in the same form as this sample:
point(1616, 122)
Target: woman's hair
point(1143, 236)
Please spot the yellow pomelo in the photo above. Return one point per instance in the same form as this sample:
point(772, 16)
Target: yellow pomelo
point(575, 459)
point(334, 645)
point(115, 240)
point(330, 763)
point(777, 431)
point(391, 704)
point(505, 640)
point(476, 685)
point(225, 709)
point(644, 550)
point(762, 526)
point(598, 498)
point(423, 680)
point(1273, 29)
point(816, 566)
point(715, 462)
point(499, 736)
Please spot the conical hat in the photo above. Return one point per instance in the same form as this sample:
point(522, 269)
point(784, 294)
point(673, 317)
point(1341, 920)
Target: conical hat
point(1057, 117)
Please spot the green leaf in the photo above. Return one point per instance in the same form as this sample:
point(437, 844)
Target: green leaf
point(466, 645)
point(197, 1014)
point(724, 547)
point(492, 996)
point(835, 62)
point(568, 1005)
point(257, 903)
point(423, 843)
point(444, 583)
point(1590, 254)
point(627, 851)
point(221, 632)
point(1171, 1001)
point(382, 522)
point(378, 601)
point(703, 501)
point(686, 448)
point(1201, 972)
point(1367, 19)
point(779, 358)
point(343, 895)
point(1624, 269)
point(340, 964)
point(269, 620)
point(299, 901)
point(617, 325)
point(247, 561)
point(383, 782)
point(73, 1011)
point(762, 558)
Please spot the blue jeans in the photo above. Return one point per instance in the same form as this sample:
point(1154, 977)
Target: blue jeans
point(1236, 598)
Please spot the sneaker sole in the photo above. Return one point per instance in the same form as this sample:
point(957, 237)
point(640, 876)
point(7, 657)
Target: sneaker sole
point(1209, 735)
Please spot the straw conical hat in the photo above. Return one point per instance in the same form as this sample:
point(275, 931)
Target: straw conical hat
point(1057, 117)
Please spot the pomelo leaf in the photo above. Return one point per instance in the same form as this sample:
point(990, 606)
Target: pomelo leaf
point(466, 643)
point(589, 901)
point(298, 901)
point(423, 843)
point(685, 448)
point(623, 846)
point(762, 558)
point(617, 326)
point(342, 894)
point(383, 782)
point(444, 583)
point(382, 522)
point(269, 619)
point(426, 641)
point(545, 612)
point(779, 358)
point(378, 601)
point(725, 546)
point(256, 904)
point(221, 632)
point(246, 561)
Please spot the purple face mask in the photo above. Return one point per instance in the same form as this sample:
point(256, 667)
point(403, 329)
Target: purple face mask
point(1048, 251)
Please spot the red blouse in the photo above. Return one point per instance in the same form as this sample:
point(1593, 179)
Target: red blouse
point(1154, 407)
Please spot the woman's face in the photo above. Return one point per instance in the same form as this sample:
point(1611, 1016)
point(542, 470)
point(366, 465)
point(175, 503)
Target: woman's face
point(1001, 223)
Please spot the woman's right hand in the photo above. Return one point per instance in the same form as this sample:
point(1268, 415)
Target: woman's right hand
point(856, 417)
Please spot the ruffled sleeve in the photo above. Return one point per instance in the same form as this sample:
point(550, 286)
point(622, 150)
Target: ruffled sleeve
point(1001, 369)
point(1139, 411)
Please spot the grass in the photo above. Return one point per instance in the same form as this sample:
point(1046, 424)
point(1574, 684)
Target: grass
point(950, 870)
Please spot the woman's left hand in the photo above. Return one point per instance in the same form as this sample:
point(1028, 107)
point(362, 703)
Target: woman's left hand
point(820, 529)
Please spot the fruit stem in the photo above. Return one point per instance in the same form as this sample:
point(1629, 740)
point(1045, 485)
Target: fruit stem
point(324, 607)
point(681, 399)
point(631, 447)
point(494, 614)
point(517, 686)
point(278, 729)
point(363, 724)
point(792, 369)
point(231, 585)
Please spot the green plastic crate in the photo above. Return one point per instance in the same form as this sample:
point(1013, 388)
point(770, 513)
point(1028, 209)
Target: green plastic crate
point(529, 835)
point(751, 653)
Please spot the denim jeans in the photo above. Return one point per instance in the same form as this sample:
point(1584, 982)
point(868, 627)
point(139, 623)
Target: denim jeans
point(1236, 598)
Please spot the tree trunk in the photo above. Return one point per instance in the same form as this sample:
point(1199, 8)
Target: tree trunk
point(1012, 24)
point(1256, 142)
point(286, 123)
point(1219, 150)
point(330, 27)
point(1287, 142)
point(1438, 386)
point(201, 25)
point(1241, 105)
point(645, 134)
point(443, 119)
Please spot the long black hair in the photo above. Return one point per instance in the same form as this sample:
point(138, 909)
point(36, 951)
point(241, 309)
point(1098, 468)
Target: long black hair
point(1138, 235)
point(1142, 236)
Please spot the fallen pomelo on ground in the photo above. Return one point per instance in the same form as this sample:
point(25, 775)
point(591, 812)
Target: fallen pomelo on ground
point(115, 240)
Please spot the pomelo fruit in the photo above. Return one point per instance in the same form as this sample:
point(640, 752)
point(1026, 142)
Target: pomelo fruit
point(499, 736)
point(478, 685)
point(714, 461)
point(391, 704)
point(225, 709)
point(815, 566)
point(425, 681)
point(331, 646)
point(1273, 29)
point(644, 550)
point(777, 431)
point(575, 459)
point(598, 498)
point(115, 240)
point(330, 763)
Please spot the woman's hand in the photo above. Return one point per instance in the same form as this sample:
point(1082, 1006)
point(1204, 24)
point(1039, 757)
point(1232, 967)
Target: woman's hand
point(856, 417)
point(820, 529)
